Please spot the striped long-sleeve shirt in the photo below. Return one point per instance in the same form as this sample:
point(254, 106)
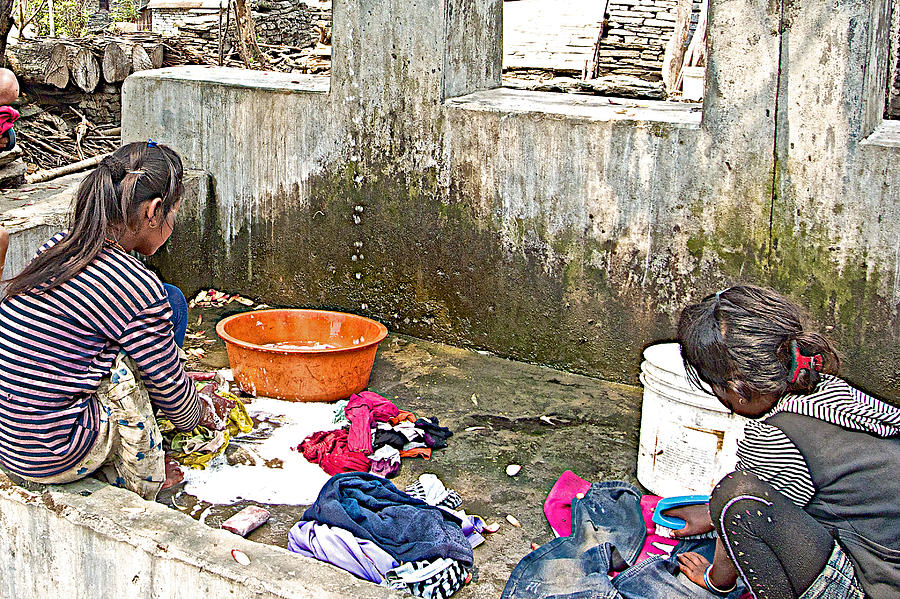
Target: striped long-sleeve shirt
point(55, 347)
point(767, 452)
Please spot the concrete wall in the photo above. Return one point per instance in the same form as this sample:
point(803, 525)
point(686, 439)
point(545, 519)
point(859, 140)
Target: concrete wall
point(547, 227)
point(87, 539)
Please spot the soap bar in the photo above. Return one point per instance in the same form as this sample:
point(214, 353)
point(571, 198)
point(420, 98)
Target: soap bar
point(246, 521)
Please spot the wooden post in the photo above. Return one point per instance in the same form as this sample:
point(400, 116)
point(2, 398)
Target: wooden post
point(674, 56)
point(245, 35)
point(220, 33)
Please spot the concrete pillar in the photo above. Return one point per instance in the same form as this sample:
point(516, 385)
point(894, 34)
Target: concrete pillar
point(834, 227)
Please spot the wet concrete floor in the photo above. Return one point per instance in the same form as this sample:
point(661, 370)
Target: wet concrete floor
point(501, 412)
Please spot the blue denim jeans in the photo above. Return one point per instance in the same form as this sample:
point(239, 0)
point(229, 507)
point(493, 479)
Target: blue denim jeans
point(607, 530)
point(179, 312)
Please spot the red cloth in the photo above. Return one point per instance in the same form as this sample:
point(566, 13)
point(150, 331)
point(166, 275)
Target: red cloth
point(329, 450)
point(8, 116)
point(363, 410)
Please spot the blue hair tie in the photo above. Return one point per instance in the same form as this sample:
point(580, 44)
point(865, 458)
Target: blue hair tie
point(719, 296)
point(151, 143)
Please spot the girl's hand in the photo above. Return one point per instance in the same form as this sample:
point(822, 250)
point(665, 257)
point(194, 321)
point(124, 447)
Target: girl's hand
point(214, 409)
point(693, 565)
point(696, 517)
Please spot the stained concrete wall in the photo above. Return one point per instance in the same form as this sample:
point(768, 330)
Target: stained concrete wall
point(88, 539)
point(547, 227)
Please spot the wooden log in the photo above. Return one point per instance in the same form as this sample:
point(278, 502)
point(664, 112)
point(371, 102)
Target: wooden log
point(140, 60)
point(156, 56)
point(41, 176)
point(28, 59)
point(116, 62)
point(56, 72)
point(85, 70)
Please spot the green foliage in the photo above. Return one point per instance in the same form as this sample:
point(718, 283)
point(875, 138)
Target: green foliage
point(71, 17)
point(125, 10)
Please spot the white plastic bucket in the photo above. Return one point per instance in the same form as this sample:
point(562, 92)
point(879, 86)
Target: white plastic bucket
point(688, 440)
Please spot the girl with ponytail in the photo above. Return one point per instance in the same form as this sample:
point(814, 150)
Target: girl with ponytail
point(812, 510)
point(89, 336)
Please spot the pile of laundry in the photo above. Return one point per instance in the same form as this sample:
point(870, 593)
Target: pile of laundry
point(198, 447)
point(418, 541)
point(373, 435)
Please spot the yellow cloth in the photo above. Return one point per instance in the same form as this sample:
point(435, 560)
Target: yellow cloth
point(239, 421)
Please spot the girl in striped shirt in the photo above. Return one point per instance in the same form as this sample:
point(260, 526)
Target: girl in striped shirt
point(812, 510)
point(88, 336)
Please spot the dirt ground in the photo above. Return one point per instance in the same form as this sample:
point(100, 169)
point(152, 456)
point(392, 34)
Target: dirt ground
point(502, 412)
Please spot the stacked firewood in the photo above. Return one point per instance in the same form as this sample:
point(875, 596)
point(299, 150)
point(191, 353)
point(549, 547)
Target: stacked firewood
point(84, 62)
point(49, 140)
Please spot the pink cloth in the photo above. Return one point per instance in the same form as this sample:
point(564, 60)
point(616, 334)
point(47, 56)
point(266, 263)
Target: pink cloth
point(8, 116)
point(558, 509)
point(648, 505)
point(363, 411)
point(558, 506)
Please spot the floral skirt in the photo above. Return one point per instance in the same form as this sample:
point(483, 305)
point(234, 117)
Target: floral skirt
point(128, 450)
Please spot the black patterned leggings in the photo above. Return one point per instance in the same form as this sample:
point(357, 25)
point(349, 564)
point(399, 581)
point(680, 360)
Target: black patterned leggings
point(777, 547)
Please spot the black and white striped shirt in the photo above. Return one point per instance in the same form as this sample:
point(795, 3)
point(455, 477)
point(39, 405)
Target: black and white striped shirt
point(767, 452)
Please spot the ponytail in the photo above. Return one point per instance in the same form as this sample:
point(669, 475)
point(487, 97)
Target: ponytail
point(754, 339)
point(107, 204)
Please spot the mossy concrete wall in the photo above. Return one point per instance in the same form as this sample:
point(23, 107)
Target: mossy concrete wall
point(553, 228)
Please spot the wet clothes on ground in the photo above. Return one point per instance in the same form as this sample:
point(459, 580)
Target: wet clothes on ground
point(378, 434)
point(363, 524)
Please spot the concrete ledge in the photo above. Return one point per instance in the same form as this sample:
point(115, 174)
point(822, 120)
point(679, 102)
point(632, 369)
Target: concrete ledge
point(87, 539)
point(34, 213)
point(886, 135)
point(579, 108)
point(242, 78)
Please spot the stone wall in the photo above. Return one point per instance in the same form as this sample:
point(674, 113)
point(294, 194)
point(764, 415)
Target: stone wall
point(556, 229)
point(638, 31)
point(166, 20)
point(287, 22)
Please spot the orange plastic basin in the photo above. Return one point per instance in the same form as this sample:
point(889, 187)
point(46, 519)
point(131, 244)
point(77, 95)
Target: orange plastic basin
point(301, 355)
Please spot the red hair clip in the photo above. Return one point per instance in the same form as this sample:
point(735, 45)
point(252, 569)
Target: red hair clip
point(800, 362)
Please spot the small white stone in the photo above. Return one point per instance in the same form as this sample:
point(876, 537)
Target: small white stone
point(513, 469)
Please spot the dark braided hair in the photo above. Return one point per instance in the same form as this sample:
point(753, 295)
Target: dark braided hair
point(107, 205)
point(745, 335)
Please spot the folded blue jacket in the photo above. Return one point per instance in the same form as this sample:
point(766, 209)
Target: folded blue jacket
point(407, 528)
